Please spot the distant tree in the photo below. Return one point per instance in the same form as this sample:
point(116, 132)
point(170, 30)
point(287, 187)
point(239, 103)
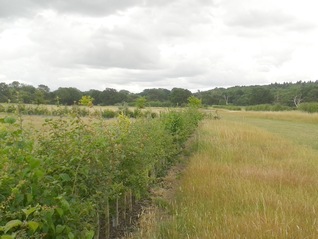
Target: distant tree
point(4, 92)
point(312, 94)
point(208, 98)
point(260, 95)
point(95, 94)
point(27, 93)
point(68, 95)
point(42, 94)
point(156, 94)
point(179, 96)
point(44, 88)
point(124, 96)
point(15, 85)
point(109, 96)
point(39, 97)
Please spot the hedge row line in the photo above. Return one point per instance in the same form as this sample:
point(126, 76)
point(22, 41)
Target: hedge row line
point(74, 110)
point(80, 180)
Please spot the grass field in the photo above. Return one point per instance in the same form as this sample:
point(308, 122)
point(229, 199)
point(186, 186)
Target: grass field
point(254, 175)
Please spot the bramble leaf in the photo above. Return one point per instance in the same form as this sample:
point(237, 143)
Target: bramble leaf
point(29, 211)
point(11, 224)
point(59, 229)
point(33, 225)
point(70, 235)
point(6, 237)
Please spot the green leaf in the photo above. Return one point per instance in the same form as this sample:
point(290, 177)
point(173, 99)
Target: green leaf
point(6, 237)
point(39, 173)
point(29, 211)
point(65, 177)
point(89, 234)
point(29, 197)
point(59, 229)
point(9, 120)
point(33, 225)
point(34, 163)
point(59, 211)
point(65, 204)
point(11, 224)
point(70, 235)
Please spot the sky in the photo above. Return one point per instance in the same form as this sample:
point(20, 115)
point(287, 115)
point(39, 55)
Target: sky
point(142, 44)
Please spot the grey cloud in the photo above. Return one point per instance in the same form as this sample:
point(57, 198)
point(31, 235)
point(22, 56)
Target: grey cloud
point(24, 8)
point(120, 49)
point(186, 69)
point(75, 46)
point(16, 8)
point(302, 26)
point(131, 55)
point(260, 19)
point(92, 7)
point(167, 2)
point(179, 19)
point(158, 3)
point(273, 58)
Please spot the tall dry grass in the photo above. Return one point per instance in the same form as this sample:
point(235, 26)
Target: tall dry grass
point(244, 182)
point(289, 116)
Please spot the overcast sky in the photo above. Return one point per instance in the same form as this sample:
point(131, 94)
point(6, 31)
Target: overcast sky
point(140, 44)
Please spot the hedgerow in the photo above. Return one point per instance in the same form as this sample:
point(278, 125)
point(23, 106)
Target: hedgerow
point(78, 180)
point(268, 107)
point(310, 107)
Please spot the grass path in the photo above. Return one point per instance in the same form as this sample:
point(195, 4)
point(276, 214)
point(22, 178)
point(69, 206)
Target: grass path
point(301, 128)
point(246, 181)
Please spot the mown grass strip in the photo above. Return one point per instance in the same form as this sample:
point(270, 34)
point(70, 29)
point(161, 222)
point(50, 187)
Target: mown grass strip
point(245, 182)
point(299, 127)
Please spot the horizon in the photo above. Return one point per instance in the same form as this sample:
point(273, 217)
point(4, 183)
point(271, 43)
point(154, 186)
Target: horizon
point(193, 92)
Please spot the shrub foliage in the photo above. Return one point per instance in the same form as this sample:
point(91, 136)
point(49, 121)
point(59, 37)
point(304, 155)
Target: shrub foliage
point(77, 180)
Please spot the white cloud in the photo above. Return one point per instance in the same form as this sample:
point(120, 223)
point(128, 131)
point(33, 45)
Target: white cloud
point(137, 44)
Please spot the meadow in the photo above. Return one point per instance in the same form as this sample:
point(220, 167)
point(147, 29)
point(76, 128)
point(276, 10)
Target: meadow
point(251, 175)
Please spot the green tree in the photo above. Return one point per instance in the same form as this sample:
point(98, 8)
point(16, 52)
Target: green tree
point(42, 94)
point(94, 94)
point(179, 96)
point(141, 102)
point(4, 92)
point(68, 95)
point(156, 94)
point(109, 96)
point(86, 100)
point(260, 95)
point(194, 102)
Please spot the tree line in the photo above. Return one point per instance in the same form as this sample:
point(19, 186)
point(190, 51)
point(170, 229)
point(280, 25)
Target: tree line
point(287, 94)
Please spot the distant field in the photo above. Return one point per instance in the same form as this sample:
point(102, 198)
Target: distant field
point(36, 121)
point(254, 175)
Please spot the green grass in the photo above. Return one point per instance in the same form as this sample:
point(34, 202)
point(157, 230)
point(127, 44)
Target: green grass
point(253, 176)
point(301, 128)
